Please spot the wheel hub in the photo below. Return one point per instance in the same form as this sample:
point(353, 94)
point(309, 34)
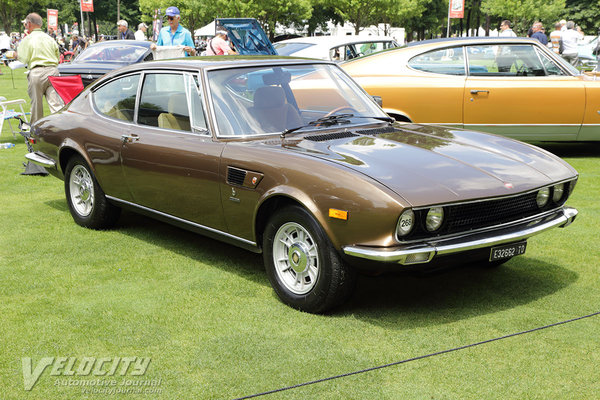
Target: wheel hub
point(298, 258)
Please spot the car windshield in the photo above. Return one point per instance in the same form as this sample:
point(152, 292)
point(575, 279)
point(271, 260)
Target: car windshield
point(272, 99)
point(118, 54)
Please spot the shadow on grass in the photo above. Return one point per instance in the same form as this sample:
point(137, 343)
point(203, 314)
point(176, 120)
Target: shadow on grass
point(571, 149)
point(396, 301)
point(400, 301)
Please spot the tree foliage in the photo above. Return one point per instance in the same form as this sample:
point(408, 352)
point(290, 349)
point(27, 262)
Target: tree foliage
point(523, 13)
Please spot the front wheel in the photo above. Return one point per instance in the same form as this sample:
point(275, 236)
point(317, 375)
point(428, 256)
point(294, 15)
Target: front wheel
point(87, 202)
point(305, 270)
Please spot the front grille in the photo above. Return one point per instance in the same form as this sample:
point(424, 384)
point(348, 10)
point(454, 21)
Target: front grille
point(330, 136)
point(235, 176)
point(477, 215)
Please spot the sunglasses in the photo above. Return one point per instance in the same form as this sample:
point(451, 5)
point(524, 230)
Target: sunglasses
point(170, 18)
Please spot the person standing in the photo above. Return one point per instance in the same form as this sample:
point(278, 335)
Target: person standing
point(175, 34)
point(40, 52)
point(539, 34)
point(218, 45)
point(140, 34)
point(124, 32)
point(556, 38)
point(570, 37)
point(505, 30)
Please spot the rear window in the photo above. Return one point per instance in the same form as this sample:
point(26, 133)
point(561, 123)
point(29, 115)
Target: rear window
point(445, 61)
point(286, 49)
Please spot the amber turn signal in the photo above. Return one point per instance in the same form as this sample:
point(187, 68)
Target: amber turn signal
point(339, 214)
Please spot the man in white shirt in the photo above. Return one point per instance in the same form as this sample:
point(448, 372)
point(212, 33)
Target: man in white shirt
point(570, 37)
point(505, 30)
point(140, 34)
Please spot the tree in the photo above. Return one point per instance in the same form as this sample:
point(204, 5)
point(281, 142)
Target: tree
point(585, 13)
point(359, 13)
point(523, 13)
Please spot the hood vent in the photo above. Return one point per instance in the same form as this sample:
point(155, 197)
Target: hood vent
point(236, 176)
point(378, 131)
point(330, 136)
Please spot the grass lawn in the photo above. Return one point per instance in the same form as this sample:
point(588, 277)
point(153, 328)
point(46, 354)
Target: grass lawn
point(205, 314)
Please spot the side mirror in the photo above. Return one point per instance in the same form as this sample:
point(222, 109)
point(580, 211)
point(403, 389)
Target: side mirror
point(378, 100)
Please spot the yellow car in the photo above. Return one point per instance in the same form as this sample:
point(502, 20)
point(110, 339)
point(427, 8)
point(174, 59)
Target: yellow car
point(509, 86)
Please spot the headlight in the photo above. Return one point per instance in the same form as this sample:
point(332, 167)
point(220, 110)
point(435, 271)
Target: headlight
point(435, 217)
point(542, 197)
point(405, 223)
point(572, 186)
point(557, 192)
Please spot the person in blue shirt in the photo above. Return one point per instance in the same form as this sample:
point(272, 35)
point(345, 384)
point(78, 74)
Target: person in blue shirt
point(175, 34)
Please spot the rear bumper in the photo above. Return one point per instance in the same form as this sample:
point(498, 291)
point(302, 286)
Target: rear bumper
point(425, 251)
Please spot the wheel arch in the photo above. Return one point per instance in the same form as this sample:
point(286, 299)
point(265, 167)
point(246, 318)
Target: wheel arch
point(398, 115)
point(279, 199)
point(69, 150)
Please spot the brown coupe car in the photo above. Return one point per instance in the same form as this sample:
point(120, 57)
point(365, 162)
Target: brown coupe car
point(291, 158)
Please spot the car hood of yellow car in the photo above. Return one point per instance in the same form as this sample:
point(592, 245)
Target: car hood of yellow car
point(426, 163)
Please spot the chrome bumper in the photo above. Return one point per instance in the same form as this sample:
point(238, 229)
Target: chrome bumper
point(41, 159)
point(424, 252)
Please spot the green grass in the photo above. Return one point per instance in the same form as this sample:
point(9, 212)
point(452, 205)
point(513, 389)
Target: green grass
point(206, 315)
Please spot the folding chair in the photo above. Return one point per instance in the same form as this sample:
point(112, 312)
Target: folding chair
point(8, 113)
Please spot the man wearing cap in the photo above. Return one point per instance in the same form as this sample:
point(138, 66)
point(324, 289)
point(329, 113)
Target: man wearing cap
point(40, 52)
point(124, 31)
point(218, 45)
point(140, 34)
point(175, 34)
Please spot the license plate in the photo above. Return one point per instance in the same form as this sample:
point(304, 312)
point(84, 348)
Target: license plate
point(507, 251)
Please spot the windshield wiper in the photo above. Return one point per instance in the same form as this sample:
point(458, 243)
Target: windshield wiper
point(334, 120)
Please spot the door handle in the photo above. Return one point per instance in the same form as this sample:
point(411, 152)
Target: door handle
point(130, 138)
point(475, 91)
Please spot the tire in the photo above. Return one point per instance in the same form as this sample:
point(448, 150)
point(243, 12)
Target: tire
point(87, 203)
point(304, 269)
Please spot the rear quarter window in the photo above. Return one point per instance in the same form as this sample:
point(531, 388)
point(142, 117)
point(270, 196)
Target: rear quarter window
point(444, 61)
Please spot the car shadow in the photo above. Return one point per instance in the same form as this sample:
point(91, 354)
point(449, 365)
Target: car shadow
point(571, 149)
point(393, 300)
point(402, 301)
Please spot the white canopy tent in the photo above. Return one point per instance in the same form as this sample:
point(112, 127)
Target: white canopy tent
point(208, 30)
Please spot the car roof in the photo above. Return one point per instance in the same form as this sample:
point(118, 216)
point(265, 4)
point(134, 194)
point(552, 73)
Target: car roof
point(337, 40)
point(471, 39)
point(201, 62)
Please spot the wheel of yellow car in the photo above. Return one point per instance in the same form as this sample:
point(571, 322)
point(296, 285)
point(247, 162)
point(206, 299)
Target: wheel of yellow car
point(305, 270)
point(87, 202)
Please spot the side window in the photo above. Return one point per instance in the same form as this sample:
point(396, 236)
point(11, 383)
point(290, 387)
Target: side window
point(445, 61)
point(116, 99)
point(551, 68)
point(504, 60)
point(163, 102)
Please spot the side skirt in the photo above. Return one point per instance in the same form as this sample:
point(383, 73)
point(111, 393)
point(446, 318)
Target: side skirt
point(188, 225)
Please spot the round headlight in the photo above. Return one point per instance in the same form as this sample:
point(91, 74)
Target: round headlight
point(405, 223)
point(542, 197)
point(557, 192)
point(435, 217)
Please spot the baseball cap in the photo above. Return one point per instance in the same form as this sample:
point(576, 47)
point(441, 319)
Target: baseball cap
point(172, 11)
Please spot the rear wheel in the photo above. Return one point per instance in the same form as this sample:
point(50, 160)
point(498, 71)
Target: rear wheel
point(87, 202)
point(304, 269)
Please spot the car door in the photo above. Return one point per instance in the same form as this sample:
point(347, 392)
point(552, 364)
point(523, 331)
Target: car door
point(517, 90)
point(170, 162)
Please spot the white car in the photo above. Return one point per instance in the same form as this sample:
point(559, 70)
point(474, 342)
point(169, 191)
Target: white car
point(336, 48)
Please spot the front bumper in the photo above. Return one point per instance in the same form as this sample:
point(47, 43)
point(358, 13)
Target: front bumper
point(424, 252)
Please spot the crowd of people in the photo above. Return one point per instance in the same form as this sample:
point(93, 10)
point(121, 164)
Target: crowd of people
point(563, 40)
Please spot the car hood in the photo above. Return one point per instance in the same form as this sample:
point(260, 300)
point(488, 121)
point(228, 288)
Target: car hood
point(86, 68)
point(427, 164)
